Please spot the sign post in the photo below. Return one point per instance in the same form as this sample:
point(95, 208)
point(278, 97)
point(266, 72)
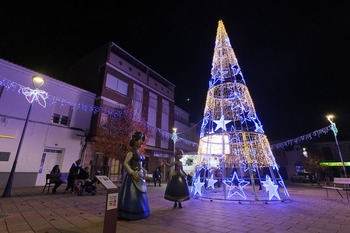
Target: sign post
point(111, 210)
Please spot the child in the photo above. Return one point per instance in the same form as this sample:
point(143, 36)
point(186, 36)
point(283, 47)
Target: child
point(177, 188)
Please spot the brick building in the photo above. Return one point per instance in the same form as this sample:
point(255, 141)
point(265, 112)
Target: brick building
point(118, 79)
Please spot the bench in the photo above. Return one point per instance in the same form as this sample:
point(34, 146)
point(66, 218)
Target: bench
point(345, 182)
point(48, 182)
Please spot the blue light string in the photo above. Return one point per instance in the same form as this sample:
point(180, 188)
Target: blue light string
point(51, 100)
point(305, 137)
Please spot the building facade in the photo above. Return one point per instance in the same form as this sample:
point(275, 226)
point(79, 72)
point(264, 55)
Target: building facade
point(55, 133)
point(294, 157)
point(118, 80)
point(190, 133)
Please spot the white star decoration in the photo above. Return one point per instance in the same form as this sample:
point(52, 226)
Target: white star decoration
point(198, 186)
point(211, 182)
point(238, 189)
point(221, 123)
point(271, 188)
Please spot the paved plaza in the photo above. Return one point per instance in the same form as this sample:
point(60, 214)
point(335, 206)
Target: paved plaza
point(309, 210)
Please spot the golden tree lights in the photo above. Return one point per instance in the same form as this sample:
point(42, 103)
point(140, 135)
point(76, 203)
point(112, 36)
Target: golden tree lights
point(231, 131)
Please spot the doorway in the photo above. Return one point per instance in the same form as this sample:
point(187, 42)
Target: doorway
point(50, 158)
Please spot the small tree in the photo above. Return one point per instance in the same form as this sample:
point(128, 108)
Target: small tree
point(114, 134)
point(312, 164)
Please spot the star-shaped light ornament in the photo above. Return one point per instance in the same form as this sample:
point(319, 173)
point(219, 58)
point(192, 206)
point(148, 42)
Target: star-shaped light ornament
point(236, 189)
point(246, 166)
point(221, 123)
point(271, 188)
point(198, 186)
point(211, 182)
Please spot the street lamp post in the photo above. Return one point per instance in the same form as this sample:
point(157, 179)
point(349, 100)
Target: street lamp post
point(174, 138)
point(38, 81)
point(335, 130)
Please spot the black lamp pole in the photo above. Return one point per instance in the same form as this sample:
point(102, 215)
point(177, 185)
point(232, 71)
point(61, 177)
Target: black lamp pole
point(37, 83)
point(7, 191)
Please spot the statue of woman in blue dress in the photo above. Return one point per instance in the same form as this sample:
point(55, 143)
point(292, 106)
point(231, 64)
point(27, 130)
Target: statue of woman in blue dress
point(177, 188)
point(132, 201)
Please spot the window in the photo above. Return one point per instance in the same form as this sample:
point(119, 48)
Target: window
point(4, 156)
point(116, 84)
point(64, 120)
point(62, 114)
point(152, 101)
point(60, 119)
point(138, 93)
point(152, 110)
point(165, 108)
point(165, 115)
point(56, 118)
point(137, 100)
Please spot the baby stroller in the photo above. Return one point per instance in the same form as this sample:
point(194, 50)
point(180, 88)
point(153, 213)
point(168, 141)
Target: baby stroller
point(88, 187)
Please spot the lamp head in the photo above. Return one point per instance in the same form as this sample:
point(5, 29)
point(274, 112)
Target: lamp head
point(174, 130)
point(330, 117)
point(38, 81)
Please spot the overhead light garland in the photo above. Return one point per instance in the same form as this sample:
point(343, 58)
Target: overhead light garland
point(44, 99)
point(306, 137)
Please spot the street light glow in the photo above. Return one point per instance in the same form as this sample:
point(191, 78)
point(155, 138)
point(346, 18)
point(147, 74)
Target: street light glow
point(330, 117)
point(38, 81)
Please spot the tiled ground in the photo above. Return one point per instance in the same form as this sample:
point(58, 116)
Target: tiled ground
point(308, 211)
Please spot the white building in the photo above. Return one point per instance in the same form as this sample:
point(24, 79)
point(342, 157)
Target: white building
point(54, 134)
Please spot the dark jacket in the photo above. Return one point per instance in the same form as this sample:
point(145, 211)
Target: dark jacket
point(73, 171)
point(55, 176)
point(83, 175)
point(156, 175)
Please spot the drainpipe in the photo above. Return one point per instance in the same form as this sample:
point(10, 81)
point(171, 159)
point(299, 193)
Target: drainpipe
point(83, 148)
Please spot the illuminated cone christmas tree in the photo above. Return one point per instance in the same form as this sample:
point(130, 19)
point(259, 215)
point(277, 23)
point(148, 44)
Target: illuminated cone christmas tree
point(232, 137)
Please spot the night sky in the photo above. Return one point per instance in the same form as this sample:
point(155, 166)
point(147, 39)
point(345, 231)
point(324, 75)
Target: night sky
point(294, 55)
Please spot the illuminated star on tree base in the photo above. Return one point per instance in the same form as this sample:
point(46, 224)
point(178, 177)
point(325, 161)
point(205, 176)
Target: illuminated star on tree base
point(271, 188)
point(198, 186)
point(234, 189)
point(211, 182)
